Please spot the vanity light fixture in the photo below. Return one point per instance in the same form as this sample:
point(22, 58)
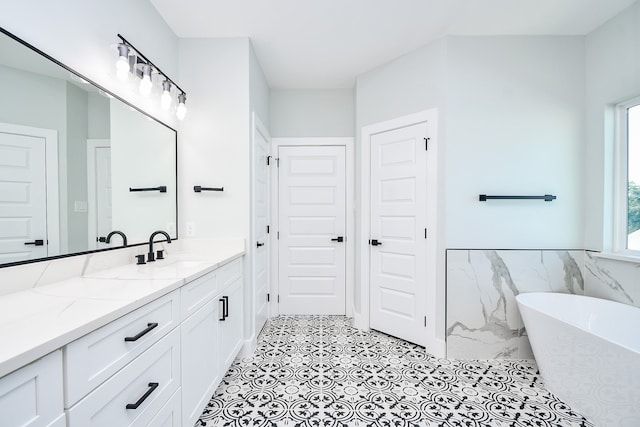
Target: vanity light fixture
point(145, 81)
point(165, 99)
point(181, 111)
point(131, 61)
point(122, 64)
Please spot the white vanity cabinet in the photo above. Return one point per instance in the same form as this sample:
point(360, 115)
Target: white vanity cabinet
point(206, 333)
point(32, 395)
point(157, 365)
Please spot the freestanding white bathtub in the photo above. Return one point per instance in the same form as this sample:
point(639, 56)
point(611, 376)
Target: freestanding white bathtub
point(588, 353)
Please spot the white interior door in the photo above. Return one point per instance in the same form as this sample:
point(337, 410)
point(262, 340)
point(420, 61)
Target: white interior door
point(23, 197)
point(311, 221)
point(261, 218)
point(99, 206)
point(398, 233)
point(103, 193)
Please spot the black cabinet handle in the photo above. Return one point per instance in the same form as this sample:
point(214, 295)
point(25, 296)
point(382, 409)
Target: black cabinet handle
point(149, 328)
point(224, 310)
point(226, 306)
point(152, 388)
point(338, 239)
point(259, 244)
point(374, 242)
point(38, 242)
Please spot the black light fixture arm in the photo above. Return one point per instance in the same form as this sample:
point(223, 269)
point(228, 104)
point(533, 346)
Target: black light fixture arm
point(155, 67)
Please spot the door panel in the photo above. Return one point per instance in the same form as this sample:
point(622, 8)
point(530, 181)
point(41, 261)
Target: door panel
point(312, 202)
point(23, 209)
point(398, 220)
point(261, 214)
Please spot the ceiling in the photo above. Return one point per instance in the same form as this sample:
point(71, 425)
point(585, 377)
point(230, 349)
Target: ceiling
point(320, 44)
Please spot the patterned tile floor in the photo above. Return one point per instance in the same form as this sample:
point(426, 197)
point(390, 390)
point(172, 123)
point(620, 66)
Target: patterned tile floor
point(320, 371)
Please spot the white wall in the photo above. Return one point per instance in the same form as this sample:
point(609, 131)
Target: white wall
point(259, 91)
point(312, 113)
point(214, 137)
point(612, 76)
point(515, 126)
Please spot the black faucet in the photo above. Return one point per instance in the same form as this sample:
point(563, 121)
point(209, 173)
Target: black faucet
point(124, 238)
point(151, 256)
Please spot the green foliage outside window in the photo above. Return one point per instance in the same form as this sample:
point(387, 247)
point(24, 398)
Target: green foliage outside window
point(633, 220)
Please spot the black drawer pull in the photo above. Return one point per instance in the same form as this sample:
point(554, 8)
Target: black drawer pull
point(152, 387)
point(224, 309)
point(150, 326)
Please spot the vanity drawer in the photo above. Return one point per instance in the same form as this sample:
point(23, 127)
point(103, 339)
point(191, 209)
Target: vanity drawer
point(148, 382)
point(170, 414)
point(32, 395)
point(228, 273)
point(90, 360)
point(197, 293)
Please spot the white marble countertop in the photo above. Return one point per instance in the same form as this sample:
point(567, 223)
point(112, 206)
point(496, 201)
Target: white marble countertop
point(37, 321)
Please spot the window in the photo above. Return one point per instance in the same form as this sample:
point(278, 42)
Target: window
point(628, 191)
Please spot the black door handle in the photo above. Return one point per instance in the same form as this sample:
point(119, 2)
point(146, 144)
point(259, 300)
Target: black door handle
point(38, 242)
point(338, 239)
point(226, 306)
point(374, 242)
point(259, 244)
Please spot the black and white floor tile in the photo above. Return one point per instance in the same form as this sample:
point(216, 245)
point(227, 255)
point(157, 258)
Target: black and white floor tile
point(319, 371)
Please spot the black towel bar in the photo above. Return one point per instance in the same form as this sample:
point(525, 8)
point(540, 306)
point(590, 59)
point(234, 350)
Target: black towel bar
point(546, 197)
point(162, 189)
point(199, 189)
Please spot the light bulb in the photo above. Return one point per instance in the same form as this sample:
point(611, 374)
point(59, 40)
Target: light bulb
point(145, 83)
point(181, 111)
point(122, 64)
point(165, 99)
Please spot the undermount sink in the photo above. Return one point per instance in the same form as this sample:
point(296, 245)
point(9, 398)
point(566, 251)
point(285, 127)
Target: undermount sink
point(168, 268)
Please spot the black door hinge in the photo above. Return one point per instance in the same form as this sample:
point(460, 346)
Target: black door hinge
point(278, 235)
point(425, 233)
point(268, 229)
point(425, 321)
point(267, 297)
point(426, 143)
point(278, 299)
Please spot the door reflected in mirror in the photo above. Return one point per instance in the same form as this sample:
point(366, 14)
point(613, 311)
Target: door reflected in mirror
point(69, 154)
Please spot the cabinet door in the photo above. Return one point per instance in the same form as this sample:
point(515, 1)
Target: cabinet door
point(169, 415)
point(32, 395)
point(135, 394)
point(230, 328)
point(200, 371)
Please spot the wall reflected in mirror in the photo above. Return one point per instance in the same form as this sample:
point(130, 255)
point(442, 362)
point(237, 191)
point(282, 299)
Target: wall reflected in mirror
point(69, 155)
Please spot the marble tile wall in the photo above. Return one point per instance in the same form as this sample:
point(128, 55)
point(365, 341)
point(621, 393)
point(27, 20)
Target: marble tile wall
point(612, 279)
point(483, 321)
